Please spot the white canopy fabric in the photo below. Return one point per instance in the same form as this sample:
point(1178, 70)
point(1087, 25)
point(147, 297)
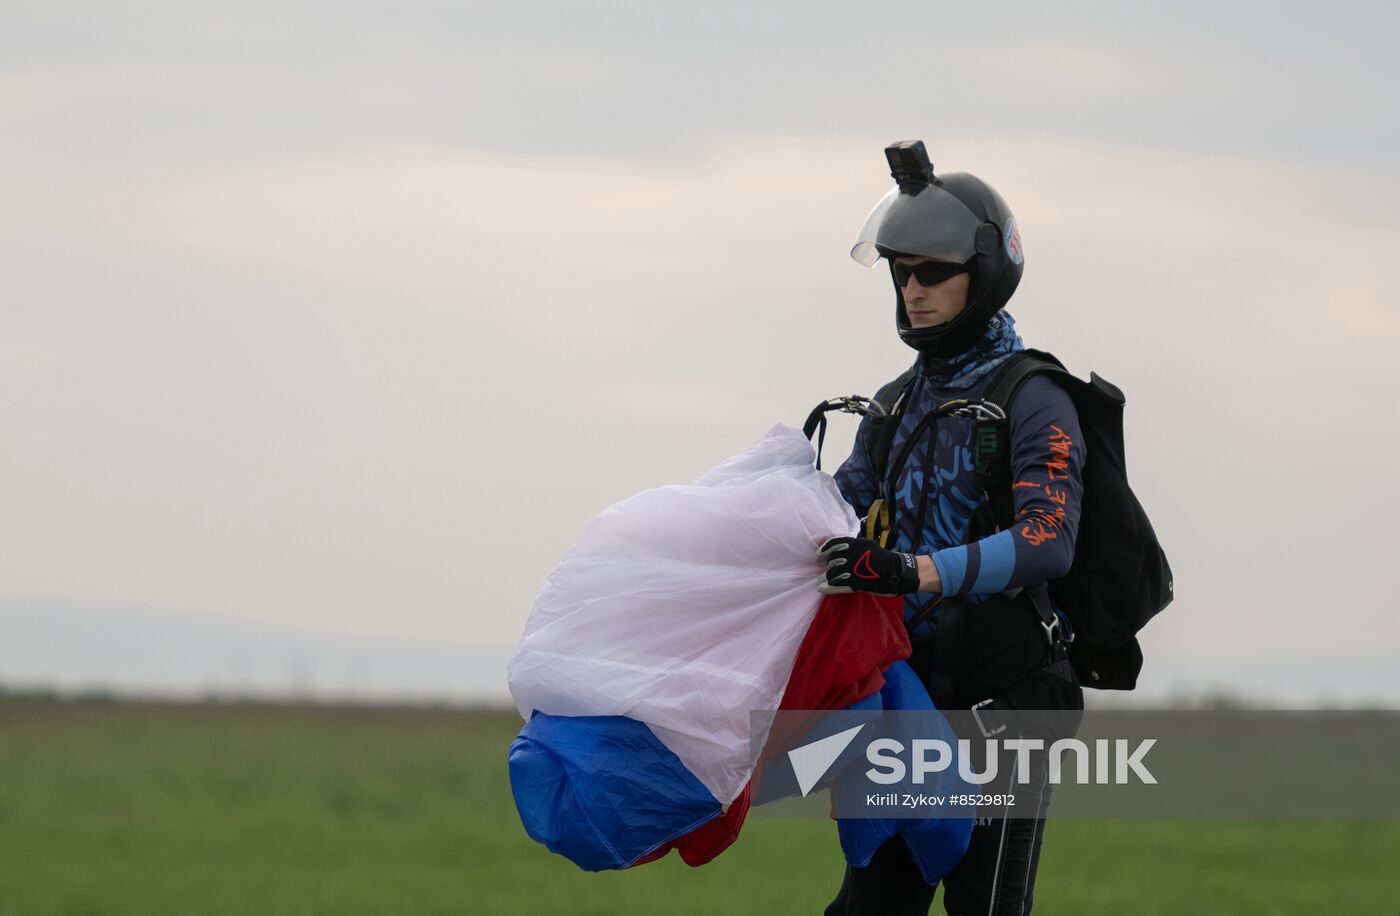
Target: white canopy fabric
point(683, 607)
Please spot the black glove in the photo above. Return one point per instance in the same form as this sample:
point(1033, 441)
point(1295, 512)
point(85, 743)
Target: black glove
point(862, 565)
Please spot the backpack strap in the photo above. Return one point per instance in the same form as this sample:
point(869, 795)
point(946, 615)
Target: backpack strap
point(879, 439)
point(991, 457)
point(891, 396)
point(991, 450)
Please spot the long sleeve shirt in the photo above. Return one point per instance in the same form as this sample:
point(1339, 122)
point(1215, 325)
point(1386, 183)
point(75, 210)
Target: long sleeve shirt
point(935, 493)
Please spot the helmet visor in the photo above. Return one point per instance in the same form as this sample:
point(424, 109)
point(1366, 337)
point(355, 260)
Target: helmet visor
point(925, 220)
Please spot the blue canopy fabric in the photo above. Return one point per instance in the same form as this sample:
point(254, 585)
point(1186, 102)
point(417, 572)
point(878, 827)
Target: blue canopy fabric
point(602, 790)
point(935, 844)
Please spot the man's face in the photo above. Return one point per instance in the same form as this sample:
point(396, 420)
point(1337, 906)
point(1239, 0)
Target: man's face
point(927, 306)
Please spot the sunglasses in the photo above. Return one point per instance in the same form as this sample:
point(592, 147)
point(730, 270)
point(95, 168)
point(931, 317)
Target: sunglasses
point(929, 273)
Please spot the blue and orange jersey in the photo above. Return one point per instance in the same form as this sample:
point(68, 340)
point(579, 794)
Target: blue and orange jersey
point(935, 493)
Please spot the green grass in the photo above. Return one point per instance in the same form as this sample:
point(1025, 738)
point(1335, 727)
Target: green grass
point(146, 809)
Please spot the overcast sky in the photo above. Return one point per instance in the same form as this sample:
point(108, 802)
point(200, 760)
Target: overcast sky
point(324, 330)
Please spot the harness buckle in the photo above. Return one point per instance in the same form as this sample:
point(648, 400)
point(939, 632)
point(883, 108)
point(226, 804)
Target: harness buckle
point(857, 404)
point(1057, 624)
point(974, 410)
point(981, 726)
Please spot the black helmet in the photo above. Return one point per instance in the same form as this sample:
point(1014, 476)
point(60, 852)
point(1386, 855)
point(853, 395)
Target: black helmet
point(955, 217)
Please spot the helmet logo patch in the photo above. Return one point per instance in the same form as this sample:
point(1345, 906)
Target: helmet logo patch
point(1011, 238)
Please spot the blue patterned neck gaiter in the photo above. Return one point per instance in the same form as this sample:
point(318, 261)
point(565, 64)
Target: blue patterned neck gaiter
point(998, 342)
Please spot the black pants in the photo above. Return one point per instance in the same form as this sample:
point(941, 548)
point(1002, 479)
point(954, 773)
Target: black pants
point(995, 878)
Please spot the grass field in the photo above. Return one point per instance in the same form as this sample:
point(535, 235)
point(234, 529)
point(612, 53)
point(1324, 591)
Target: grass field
point(147, 809)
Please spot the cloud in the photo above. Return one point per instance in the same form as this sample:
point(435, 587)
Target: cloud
point(301, 320)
